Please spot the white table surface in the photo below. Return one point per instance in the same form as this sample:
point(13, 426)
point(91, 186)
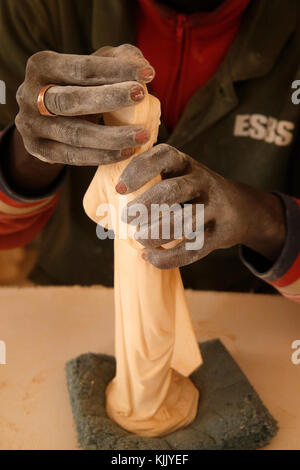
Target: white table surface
point(44, 327)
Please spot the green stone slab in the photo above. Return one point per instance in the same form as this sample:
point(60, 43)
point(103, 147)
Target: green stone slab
point(230, 416)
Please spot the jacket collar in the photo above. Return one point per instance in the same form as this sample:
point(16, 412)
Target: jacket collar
point(261, 38)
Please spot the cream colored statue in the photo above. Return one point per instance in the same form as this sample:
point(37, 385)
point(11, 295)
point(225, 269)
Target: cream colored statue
point(155, 344)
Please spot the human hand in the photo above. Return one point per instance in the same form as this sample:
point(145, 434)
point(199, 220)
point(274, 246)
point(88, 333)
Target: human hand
point(234, 212)
point(84, 86)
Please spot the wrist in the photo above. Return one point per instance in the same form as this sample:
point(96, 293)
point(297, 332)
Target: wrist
point(266, 227)
point(24, 173)
point(284, 268)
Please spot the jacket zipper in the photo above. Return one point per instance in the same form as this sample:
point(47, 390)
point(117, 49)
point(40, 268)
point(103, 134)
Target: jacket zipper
point(181, 21)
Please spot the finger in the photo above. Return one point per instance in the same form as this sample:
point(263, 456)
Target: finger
point(105, 51)
point(91, 70)
point(178, 256)
point(81, 133)
point(79, 101)
point(160, 159)
point(120, 51)
point(55, 152)
point(129, 52)
point(161, 230)
point(171, 191)
point(188, 222)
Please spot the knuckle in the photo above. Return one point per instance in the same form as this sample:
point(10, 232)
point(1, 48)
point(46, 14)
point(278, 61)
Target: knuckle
point(29, 147)
point(172, 157)
point(34, 62)
point(23, 125)
point(163, 153)
point(19, 122)
point(26, 98)
point(20, 95)
point(119, 49)
point(104, 51)
point(162, 148)
point(129, 49)
point(76, 135)
point(80, 69)
point(70, 157)
point(41, 149)
point(62, 101)
point(35, 58)
point(34, 148)
point(77, 70)
point(182, 159)
point(176, 185)
point(40, 56)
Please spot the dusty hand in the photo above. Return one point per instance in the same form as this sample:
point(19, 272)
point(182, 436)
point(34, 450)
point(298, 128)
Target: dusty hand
point(86, 85)
point(234, 213)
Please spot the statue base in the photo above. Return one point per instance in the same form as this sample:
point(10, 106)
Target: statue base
point(230, 415)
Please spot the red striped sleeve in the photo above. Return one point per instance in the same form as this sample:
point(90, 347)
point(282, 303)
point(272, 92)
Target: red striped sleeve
point(19, 225)
point(289, 284)
point(22, 219)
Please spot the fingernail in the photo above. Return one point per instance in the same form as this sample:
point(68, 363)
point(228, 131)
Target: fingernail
point(127, 152)
point(142, 136)
point(146, 74)
point(137, 93)
point(121, 188)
